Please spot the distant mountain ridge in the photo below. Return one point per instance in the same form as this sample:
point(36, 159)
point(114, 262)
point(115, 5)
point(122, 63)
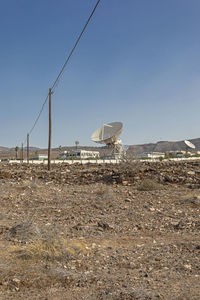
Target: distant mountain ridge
point(161, 146)
point(2, 149)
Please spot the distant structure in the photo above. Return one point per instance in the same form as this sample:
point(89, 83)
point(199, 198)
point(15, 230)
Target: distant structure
point(182, 153)
point(150, 155)
point(40, 157)
point(189, 145)
point(79, 154)
point(77, 144)
point(109, 134)
point(16, 151)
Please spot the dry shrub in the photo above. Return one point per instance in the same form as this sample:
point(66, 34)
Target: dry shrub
point(39, 244)
point(149, 185)
point(5, 175)
point(105, 193)
point(25, 231)
point(100, 191)
point(190, 198)
point(29, 275)
point(131, 165)
point(42, 249)
point(190, 194)
point(49, 246)
point(41, 263)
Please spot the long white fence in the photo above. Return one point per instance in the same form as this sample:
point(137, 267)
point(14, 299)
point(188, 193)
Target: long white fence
point(70, 162)
point(98, 161)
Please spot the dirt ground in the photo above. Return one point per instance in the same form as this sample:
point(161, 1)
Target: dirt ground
point(88, 239)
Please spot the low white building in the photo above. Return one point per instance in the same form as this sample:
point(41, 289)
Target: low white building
point(150, 155)
point(40, 157)
point(79, 154)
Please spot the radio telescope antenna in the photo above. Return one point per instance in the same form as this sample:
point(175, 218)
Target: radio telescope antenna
point(189, 145)
point(109, 134)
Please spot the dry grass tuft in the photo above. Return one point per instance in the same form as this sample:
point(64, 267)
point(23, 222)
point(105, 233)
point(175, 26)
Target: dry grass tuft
point(149, 185)
point(42, 262)
point(50, 247)
point(41, 249)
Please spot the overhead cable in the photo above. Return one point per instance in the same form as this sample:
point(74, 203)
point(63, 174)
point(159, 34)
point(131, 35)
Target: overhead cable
point(75, 45)
point(55, 84)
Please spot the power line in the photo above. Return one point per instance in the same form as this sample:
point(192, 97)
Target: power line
point(37, 119)
point(75, 45)
point(55, 84)
point(40, 112)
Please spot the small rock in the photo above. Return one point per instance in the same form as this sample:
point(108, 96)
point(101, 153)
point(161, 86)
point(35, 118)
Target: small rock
point(189, 267)
point(16, 280)
point(191, 173)
point(125, 182)
point(127, 200)
point(152, 209)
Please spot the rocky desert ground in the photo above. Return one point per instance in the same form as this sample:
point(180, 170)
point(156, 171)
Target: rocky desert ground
point(95, 232)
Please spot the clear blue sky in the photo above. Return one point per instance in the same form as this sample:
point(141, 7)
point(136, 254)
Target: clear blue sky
point(138, 63)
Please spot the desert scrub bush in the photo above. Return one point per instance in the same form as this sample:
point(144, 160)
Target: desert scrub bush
point(50, 246)
point(149, 185)
point(105, 193)
point(47, 247)
point(24, 231)
point(130, 165)
point(100, 191)
point(41, 263)
point(192, 198)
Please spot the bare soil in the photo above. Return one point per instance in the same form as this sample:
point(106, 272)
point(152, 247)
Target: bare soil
point(93, 232)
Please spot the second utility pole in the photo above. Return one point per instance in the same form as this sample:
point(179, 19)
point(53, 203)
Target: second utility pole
point(27, 148)
point(49, 146)
point(22, 153)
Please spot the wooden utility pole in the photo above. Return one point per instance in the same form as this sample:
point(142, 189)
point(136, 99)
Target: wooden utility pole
point(22, 152)
point(27, 148)
point(49, 146)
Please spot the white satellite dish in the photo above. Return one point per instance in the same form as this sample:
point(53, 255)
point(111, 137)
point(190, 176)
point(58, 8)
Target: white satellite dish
point(109, 134)
point(189, 144)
